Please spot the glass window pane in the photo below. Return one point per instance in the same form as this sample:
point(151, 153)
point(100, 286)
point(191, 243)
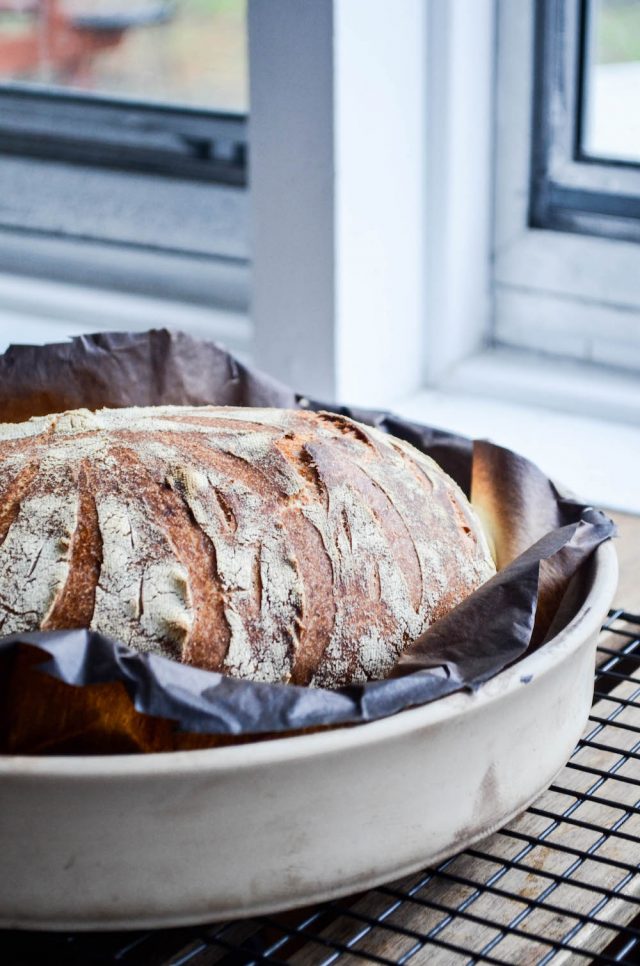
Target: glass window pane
point(611, 81)
point(179, 52)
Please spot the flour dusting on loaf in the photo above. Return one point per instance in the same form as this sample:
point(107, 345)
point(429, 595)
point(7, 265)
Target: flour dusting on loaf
point(273, 545)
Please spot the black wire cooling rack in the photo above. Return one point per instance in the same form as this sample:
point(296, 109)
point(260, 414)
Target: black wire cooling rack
point(559, 884)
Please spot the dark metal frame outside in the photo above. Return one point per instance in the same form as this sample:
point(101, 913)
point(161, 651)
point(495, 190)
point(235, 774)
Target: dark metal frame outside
point(123, 135)
point(571, 190)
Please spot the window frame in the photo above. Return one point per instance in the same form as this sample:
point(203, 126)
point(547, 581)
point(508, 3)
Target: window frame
point(122, 134)
point(570, 294)
point(571, 190)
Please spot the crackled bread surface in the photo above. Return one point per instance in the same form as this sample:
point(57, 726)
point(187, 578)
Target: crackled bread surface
point(273, 545)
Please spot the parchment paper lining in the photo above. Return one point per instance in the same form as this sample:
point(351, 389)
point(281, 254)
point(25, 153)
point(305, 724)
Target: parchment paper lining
point(72, 691)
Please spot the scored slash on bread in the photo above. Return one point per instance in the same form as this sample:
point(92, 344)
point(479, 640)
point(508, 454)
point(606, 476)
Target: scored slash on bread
point(273, 545)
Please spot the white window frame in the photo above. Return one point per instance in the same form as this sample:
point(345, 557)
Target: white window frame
point(367, 124)
point(455, 306)
point(54, 285)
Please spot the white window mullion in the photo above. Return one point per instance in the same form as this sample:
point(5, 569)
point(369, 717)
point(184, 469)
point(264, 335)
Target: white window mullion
point(370, 183)
point(460, 54)
point(337, 179)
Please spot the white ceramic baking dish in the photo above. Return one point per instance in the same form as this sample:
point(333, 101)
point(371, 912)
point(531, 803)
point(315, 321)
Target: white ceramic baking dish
point(168, 839)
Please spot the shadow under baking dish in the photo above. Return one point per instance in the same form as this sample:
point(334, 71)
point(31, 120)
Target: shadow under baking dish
point(137, 841)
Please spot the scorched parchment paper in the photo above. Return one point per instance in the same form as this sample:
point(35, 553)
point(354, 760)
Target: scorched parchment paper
point(79, 692)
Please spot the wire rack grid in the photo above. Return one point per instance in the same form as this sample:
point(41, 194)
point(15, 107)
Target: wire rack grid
point(559, 884)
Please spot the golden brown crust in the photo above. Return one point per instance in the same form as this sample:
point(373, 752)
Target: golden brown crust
point(14, 488)
point(74, 606)
point(270, 544)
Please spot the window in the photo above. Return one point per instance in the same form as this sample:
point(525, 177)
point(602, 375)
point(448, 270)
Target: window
point(567, 180)
point(395, 232)
point(123, 131)
point(586, 138)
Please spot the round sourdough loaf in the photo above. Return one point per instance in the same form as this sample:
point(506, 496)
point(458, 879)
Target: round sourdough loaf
point(269, 544)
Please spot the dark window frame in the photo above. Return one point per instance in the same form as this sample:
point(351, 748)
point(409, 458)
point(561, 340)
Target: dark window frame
point(570, 190)
point(124, 135)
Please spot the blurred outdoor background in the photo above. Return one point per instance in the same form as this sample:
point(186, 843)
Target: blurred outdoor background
point(187, 52)
point(612, 122)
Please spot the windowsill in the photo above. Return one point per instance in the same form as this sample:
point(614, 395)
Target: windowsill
point(558, 384)
point(35, 311)
point(580, 424)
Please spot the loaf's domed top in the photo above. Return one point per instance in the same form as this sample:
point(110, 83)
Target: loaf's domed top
point(275, 545)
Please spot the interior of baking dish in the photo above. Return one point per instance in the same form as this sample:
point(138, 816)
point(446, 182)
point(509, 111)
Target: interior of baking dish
point(77, 692)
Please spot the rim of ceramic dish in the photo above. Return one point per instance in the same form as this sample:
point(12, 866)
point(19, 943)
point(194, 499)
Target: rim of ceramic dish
point(604, 574)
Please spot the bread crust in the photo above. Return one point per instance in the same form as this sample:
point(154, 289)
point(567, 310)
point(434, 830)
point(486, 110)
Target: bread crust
point(273, 545)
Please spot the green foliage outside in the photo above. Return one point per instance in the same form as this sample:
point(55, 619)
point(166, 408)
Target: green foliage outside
point(617, 31)
point(236, 7)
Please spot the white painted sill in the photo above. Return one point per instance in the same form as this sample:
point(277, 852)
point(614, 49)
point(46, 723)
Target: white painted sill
point(578, 423)
point(34, 311)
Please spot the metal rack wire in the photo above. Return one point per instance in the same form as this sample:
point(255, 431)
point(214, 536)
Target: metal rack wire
point(561, 882)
